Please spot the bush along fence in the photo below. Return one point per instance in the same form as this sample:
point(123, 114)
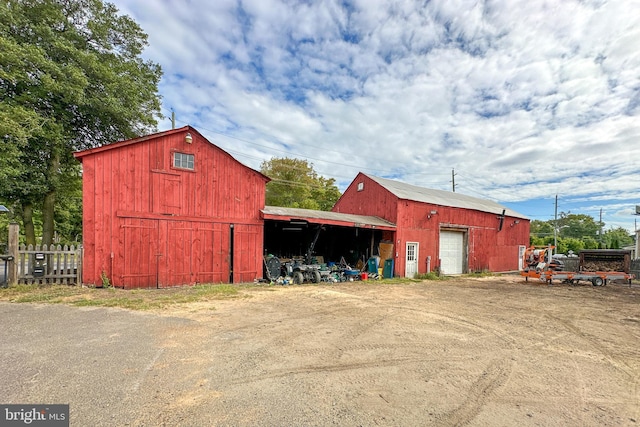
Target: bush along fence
point(54, 264)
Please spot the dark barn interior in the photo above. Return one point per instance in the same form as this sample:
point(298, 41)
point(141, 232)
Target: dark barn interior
point(293, 239)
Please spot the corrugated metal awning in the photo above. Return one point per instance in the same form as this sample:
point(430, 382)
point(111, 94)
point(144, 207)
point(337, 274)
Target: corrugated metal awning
point(324, 217)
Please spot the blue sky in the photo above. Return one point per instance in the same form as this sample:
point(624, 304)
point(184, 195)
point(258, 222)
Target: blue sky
point(525, 100)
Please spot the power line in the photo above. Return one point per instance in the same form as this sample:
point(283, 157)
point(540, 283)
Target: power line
point(377, 171)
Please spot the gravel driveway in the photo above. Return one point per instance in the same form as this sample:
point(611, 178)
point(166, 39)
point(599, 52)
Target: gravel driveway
point(474, 352)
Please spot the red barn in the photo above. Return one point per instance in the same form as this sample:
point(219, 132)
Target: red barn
point(170, 209)
point(450, 231)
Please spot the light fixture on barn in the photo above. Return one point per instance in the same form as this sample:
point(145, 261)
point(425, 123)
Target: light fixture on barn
point(434, 212)
point(514, 223)
point(188, 138)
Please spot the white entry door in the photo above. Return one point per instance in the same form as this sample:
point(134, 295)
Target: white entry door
point(521, 251)
point(411, 266)
point(451, 252)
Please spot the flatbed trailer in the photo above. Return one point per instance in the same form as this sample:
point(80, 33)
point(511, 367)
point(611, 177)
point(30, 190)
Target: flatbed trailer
point(597, 278)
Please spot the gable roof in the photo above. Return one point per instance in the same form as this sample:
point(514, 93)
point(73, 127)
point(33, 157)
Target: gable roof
point(80, 154)
point(442, 198)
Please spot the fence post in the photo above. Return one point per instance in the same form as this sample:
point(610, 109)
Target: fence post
point(80, 260)
point(14, 232)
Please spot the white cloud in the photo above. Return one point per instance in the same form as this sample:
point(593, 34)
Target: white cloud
point(525, 99)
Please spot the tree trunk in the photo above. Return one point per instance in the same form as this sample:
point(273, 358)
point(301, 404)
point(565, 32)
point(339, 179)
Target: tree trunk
point(27, 222)
point(48, 206)
point(49, 201)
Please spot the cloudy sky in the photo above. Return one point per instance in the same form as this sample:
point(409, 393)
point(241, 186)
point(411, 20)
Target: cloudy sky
point(524, 100)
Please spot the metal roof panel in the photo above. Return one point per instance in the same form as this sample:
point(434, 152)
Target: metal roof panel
point(320, 216)
point(442, 198)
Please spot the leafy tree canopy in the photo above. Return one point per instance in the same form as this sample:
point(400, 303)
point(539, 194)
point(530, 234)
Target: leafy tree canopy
point(71, 77)
point(295, 184)
point(577, 232)
point(541, 228)
point(616, 238)
point(578, 226)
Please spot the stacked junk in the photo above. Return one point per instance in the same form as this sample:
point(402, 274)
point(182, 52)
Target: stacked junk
point(313, 269)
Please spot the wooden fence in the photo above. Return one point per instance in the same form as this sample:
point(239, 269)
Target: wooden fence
point(49, 265)
point(52, 264)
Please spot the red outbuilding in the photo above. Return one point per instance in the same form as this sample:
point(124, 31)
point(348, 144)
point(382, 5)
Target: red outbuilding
point(440, 229)
point(170, 209)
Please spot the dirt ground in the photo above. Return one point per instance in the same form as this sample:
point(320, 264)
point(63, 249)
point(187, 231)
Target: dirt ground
point(494, 351)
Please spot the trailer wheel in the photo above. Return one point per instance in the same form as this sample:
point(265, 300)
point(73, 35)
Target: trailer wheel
point(597, 281)
point(298, 278)
point(315, 276)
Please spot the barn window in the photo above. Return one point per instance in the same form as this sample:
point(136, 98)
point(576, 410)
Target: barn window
point(183, 161)
point(360, 186)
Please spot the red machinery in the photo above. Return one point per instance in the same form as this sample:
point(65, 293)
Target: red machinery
point(538, 258)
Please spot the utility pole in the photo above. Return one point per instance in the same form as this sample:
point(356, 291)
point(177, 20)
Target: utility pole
point(600, 232)
point(453, 180)
point(555, 228)
point(173, 119)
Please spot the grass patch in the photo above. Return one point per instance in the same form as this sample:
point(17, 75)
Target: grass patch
point(430, 276)
point(483, 273)
point(36, 293)
point(395, 281)
point(137, 299)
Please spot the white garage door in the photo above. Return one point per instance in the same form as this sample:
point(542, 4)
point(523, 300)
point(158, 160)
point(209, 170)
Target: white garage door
point(451, 252)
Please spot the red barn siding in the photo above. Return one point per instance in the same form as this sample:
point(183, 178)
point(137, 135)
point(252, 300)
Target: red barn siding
point(373, 200)
point(148, 224)
point(486, 246)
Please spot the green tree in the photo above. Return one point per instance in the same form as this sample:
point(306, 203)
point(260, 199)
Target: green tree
point(541, 229)
point(566, 244)
point(295, 184)
point(71, 77)
point(590, 243)
point(578, 226)
point(616, 238)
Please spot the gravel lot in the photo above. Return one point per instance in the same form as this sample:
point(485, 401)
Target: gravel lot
point(479, 352)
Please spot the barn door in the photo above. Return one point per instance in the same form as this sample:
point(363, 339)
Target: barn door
point(175, 265)
point(411, 268)
point(139, 261)
point(452, 252)
point(193, 252)
point(247, 253)
point(210, 253)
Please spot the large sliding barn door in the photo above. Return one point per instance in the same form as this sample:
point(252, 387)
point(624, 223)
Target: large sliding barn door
point(162, 253)
point(195, 252)
point(176, 264)
point(139, 262)
point(247, 252)
point(210, 259)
